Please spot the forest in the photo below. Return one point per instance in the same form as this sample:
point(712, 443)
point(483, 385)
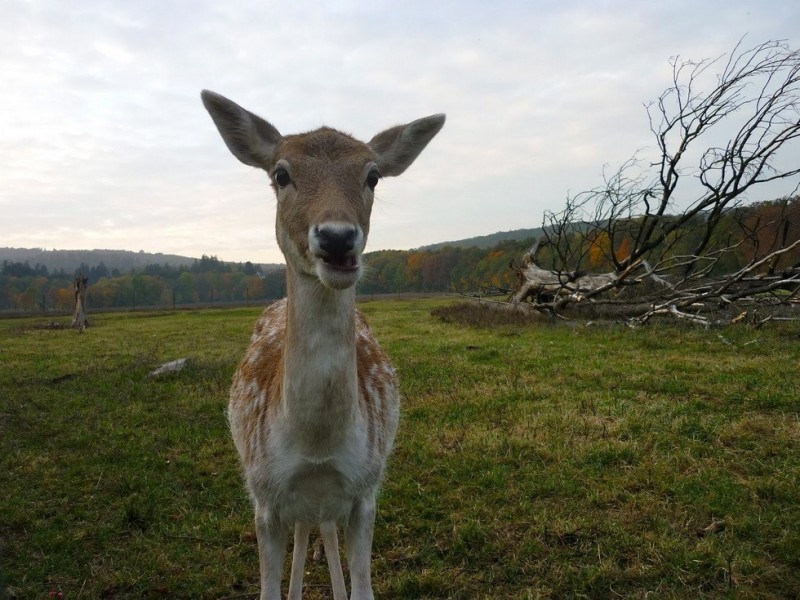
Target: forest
point(737, 236)
point(207, 280)
point(210, 281)
point(449, 269)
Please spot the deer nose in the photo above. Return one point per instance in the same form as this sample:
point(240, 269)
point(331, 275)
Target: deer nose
point(336, 240)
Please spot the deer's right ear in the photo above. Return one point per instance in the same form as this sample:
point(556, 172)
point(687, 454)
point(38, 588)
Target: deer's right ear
point(250, 138)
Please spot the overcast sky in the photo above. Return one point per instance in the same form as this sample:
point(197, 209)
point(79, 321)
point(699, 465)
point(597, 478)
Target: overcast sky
point(104, 142)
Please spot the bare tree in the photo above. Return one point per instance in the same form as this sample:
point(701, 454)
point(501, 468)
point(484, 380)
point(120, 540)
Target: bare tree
point(681, 222)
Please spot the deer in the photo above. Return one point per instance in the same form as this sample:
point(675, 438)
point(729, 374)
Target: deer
point(314, 403)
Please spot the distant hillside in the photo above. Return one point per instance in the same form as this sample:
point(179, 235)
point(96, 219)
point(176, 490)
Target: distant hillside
point(123, 260)
point(488, 241)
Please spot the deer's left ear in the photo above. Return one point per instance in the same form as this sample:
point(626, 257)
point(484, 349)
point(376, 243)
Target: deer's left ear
point(250, 138)
point(399, 146)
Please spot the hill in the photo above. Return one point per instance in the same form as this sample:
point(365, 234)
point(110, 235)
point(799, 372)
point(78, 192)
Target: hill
point(122, 260)
point(126, 261)
point(488, 241)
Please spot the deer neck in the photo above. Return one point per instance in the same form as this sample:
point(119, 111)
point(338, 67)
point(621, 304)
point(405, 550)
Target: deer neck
point(320, 374)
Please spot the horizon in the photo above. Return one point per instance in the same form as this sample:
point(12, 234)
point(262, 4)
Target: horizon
point(427, 247)
point(42, 249)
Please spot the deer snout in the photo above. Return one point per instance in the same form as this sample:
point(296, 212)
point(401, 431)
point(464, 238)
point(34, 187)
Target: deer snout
point(336, 240)
point(337, 244)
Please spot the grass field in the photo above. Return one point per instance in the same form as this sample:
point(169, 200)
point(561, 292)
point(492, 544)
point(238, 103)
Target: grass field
point(531, 462)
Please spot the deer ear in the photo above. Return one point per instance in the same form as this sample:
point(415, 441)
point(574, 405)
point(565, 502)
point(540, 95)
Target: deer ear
point(250, 138)
point(399, 146)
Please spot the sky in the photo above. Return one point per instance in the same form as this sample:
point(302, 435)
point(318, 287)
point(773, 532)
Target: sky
point(104, 142)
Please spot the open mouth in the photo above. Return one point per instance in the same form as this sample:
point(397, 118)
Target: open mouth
point(345, 264)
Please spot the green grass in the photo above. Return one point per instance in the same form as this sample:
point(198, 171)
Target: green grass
point(532, 461)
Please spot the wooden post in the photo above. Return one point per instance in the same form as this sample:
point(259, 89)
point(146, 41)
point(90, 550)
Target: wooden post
point(80, 320)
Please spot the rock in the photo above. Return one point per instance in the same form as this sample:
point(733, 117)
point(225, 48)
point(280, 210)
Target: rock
point(172, 366)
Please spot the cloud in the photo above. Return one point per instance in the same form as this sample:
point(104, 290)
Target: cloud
point(104, 142)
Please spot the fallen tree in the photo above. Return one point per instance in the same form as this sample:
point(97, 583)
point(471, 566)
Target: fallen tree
point(672, 234)
point(734, 294)
point(543, 285)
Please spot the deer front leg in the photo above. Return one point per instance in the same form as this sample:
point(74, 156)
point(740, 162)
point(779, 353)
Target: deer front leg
point(331, 543)
point(272, 536)
point(301, 531)
point(358, 536)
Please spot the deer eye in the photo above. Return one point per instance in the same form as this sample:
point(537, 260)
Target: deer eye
point(372, 179)
point(282, 178)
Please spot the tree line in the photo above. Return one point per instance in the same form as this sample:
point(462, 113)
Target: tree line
point(450, 268)
point(207, 280)
point(743, 231)
point(739, 236)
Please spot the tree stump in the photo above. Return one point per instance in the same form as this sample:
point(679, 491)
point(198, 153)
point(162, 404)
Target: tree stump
point(80, 320)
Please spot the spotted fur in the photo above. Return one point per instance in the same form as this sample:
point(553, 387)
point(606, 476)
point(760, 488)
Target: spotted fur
point(255, 410)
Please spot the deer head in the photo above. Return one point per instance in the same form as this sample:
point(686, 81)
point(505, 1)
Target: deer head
point(324, 181)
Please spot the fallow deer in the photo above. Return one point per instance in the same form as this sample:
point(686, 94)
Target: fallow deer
point(314, 403)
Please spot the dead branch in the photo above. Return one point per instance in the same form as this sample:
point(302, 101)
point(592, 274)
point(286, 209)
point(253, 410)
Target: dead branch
point(716, 250)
